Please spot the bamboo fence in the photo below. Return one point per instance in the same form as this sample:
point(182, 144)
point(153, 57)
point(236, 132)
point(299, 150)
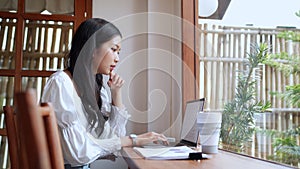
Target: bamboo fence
point(223, 52)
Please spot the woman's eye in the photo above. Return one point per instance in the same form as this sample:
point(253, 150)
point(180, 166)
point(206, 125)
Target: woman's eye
point(115, 50)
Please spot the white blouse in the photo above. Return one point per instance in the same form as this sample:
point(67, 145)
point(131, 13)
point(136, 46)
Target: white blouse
point(79, 145)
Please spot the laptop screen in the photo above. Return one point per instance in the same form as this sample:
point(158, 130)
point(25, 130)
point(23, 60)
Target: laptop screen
point(189, 130)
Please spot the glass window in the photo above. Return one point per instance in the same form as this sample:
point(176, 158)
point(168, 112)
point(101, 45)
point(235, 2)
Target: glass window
point(6, 90)
point(37, 83)
point(7, 43)
point(65, 7)
point(9, 6)
point(225, 46)
point(46, 43)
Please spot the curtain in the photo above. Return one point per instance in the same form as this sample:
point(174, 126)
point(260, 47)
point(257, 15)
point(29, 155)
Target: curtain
point(37, 6)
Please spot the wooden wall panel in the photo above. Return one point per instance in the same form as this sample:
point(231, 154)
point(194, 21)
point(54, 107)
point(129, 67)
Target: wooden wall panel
point(190, 61)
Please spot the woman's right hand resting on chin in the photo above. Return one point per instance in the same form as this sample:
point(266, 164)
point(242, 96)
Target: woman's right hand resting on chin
point(143, 139)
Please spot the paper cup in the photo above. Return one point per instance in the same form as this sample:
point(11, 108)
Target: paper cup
point(209, 126)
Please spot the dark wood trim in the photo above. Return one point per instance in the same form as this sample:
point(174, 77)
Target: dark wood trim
point(8, 15)
point(190, 69)
point(7, 72)
point(37, 16)
point(37, 73)
point(19, 46)
point(33, 16)
point(27, 73)
point(79, 13)
point(89, 8)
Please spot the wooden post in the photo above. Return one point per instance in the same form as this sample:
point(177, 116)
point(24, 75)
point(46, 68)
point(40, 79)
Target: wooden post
point(190, 59)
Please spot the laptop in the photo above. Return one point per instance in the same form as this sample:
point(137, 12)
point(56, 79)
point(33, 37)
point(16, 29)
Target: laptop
point(189, 130)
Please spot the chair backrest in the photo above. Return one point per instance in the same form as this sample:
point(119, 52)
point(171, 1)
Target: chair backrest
point(38, 133)
point(12, 136)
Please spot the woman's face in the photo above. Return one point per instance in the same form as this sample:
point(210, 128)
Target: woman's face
point(106, 56)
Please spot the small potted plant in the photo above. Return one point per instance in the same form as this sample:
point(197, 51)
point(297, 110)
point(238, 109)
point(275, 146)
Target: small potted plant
point(238, 121)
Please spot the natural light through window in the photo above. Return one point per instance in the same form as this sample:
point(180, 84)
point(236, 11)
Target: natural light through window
point(259, 99)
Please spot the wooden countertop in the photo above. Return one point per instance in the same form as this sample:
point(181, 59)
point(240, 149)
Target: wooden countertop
point(222, 160)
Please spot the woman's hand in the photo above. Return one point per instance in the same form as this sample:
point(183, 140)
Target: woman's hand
point(151, 137)
point(115, 83)
point(146, 138)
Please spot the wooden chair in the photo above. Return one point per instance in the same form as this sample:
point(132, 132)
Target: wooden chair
point(12, 137)
point(38, 133)
point(3, 143)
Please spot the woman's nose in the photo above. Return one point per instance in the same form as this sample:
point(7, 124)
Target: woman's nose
point(117, 58)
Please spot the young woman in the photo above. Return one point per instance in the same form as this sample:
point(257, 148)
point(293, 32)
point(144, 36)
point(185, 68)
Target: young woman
point(91, 124)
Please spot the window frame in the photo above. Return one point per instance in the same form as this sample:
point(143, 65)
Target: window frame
point(82, 11)
point(190, 56)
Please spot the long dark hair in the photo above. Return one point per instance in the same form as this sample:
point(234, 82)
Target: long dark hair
point(91, 34)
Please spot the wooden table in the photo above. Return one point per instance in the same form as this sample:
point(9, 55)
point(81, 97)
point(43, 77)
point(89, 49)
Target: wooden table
point(222, 160)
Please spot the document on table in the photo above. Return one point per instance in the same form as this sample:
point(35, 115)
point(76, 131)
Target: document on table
point(165, 153)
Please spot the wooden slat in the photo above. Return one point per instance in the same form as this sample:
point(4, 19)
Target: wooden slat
point(62, 41)
point(3, 132)
point(52, 50)
point(212, 72)
point(206, 78)
point(39, 45)
point(234, 65)
point(10, 91)
point(225, 65)
point(44, 41)
point(8, 45)
point(219, 77)
point(3, 37)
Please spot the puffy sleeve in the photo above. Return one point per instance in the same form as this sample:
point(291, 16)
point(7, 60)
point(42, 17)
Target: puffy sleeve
point(117, 117)
point(79, 145)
